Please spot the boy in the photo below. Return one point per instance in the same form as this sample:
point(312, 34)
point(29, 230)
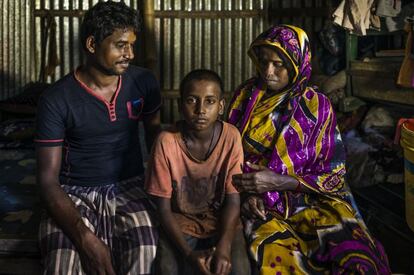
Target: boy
point(190, 175)
point(88, 155)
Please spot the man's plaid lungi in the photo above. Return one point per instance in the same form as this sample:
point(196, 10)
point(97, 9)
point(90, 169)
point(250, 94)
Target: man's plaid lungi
point(119, 214)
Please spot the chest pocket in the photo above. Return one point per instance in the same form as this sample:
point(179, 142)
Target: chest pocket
point(134, 108)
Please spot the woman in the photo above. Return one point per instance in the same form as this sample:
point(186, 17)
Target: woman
point(302, 216)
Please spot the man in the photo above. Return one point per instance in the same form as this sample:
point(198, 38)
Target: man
point(89, 158)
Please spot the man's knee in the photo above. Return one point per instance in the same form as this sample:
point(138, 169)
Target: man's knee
point(62, 261)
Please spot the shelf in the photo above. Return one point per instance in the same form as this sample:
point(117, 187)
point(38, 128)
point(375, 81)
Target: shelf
point(375, 80)
point(382, 32)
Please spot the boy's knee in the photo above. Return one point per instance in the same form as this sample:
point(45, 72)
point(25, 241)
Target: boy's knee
point(166, 259)
point(240, 261)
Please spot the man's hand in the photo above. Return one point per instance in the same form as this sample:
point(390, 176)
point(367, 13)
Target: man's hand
point(253, 208)
point(220, 262)
point(200, 259)
point(95, 256)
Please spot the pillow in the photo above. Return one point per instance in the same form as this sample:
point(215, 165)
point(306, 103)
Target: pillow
point(25, 102)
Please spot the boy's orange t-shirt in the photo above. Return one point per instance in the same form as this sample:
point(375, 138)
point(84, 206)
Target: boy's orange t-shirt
point(196, 188)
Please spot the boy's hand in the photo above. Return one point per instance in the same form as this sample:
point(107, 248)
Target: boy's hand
point(201, 260)
point(220, 262)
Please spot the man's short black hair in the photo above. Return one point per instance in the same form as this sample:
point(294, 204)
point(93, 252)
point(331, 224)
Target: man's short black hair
point(201, 74)
point(102, 19)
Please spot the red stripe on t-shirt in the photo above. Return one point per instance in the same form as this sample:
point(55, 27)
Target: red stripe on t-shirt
point(111, 106)
point(48, 140)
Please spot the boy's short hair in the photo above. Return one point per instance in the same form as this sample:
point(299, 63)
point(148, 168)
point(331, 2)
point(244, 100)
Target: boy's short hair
point(201, 74)
point(102, 19)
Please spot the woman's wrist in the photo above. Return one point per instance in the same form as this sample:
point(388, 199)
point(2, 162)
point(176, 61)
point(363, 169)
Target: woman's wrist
point(291, 184)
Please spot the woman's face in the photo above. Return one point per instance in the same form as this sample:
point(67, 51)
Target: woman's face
point(272, 69)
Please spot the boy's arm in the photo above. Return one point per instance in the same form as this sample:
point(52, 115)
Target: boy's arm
point(95, 256)
point(228, 220)
point(173, 231)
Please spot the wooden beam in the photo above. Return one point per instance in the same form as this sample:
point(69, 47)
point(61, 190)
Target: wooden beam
point(150, 49)
point(299, 12)
point(62, 13)
point(210, 14)
point(164, 14)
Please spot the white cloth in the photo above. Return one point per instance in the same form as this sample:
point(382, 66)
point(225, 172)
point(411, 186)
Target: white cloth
point(354, 15)
point(388, 8)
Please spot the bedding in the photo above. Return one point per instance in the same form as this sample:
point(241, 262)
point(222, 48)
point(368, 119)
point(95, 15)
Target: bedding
point(20, 204)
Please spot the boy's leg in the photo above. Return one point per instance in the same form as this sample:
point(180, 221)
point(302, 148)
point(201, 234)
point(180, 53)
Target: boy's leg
point(59, 255)
point(169, 260)
point(135, 238)
point(240, 262)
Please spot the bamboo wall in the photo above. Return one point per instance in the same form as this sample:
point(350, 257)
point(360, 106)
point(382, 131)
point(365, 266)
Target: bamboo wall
point(179, 36)
point(210, 34)
point(187, 34)
point(310, 15)
point(56, 32)
point(16, 53)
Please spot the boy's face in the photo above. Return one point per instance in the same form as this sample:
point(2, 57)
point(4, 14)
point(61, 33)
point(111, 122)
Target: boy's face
point(115, 52)
point(201, 104)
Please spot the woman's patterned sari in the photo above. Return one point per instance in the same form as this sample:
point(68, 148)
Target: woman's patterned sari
point(294, 133)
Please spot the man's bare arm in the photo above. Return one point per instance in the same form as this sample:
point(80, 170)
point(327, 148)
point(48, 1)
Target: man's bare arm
point(95, 256)
point(152, 126)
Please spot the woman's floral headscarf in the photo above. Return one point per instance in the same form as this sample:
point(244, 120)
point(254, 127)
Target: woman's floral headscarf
point(293, 43)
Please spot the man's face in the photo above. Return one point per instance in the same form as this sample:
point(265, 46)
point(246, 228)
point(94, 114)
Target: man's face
point(115, 52)
point(272, 69)
point(201, 104)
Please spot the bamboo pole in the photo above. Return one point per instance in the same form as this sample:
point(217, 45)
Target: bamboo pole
point(150, 50)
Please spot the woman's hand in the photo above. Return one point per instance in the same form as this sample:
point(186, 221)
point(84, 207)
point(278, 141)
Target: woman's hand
point(263, 180)
point(253, 208)
point(260, 181)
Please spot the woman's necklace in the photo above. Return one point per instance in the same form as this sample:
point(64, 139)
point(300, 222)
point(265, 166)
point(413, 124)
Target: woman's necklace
point(210, 146)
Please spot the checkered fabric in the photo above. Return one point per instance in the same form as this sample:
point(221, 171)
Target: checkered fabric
point(119, 214)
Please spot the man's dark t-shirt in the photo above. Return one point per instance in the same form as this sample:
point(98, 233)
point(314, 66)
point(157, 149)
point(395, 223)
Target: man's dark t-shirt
point(99, 138)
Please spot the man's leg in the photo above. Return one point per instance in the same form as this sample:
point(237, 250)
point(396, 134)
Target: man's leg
point(59, 255)
point(135, 236)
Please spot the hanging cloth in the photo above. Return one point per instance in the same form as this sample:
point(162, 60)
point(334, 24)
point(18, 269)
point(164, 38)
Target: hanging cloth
point(405, 77)
point(354, 15)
